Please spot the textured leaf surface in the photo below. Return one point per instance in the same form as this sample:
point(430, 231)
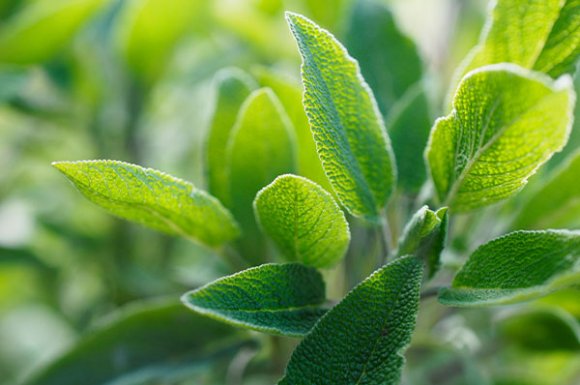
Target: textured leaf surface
point(516, 267)
point(303, 220)
point(506, 122)
point(424, 237)
point(141, 338)
point(279, 299)
point(362, 339)
point(348, 130)
point(232, 87)
point(557, 203)
point(543, 35)
point(261, 148)
point(388, 59)
point(42, 29)
point(152, 198)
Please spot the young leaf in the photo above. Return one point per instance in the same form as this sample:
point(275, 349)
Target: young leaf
point(540, 35)
point(347, 127)
point(260, 148)
point(303, 220)
point(141, 338)
point(362, 339)
point(388, 59)
point(506, 122)
point(233, 87)
point(153, 199)
point(557, 204)
point(277, 299)
point(516, 267)
point(42, 29)
point(424, 236)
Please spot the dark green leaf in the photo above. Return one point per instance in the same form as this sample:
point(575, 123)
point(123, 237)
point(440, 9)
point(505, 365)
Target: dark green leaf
point(348, 130)
point(362, 339)
point(303, 220)
point(516, 267)
point(277, 299)
point(152, 198)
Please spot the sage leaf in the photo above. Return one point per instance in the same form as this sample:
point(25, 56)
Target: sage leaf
point(261, 147)
point(153, 199)
point(345, 121)
point(42, 29)
point(557, 203)
point(424, 236)
point(506, 122)
point(518, 266)
point(388, 59)
point(361, 340)
point(303, 220)
point(539, 35)
point(233, 86)
point(142, 338)
point(282, 299)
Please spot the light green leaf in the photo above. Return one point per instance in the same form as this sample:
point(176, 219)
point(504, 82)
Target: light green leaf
point(153, 199)
point(142, 338)
point(506, 122)
point(303, 220)
point(557, 203)
point(290, 95)
point(388, 59)
point(543, 35)
point(233, 86)
point(541, 329)
point(348, 130)
point(42, 29)
point(424, 236)
point(278, 299)
point(362, 339)
point(260, 148)
point(409, 124)
point(517, 267)
point(148, 31)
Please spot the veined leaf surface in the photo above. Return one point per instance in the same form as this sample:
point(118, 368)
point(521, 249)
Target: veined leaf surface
point(233, 86)
point(344, 118)
point(282, 299)
point(506, 122)
point(361, 340)
point(260, 148)
point(557, 203)
point(518, 266)
point(153, 199)
point(303, 220)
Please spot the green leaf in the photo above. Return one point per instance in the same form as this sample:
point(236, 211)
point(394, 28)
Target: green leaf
point(541, 35)
point(506, 122)
point(409, 124)
point(42, 29)
point(153, 199)
point(362, 339)
point(233, 87)
point(388, 59)
point(516, 267)
point(277, 299)
point(557, 203)
point(141, 338)
point(149, 30)
point(260, 148)
point(541, 329)
point(303, 220)
point(424, 236)
point(348, 130)
point(290, 95)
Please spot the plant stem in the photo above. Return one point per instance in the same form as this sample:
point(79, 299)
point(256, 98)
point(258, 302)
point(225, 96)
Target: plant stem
point(384, 235)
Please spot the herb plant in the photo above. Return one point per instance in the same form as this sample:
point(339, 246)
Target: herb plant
point(386, 213)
